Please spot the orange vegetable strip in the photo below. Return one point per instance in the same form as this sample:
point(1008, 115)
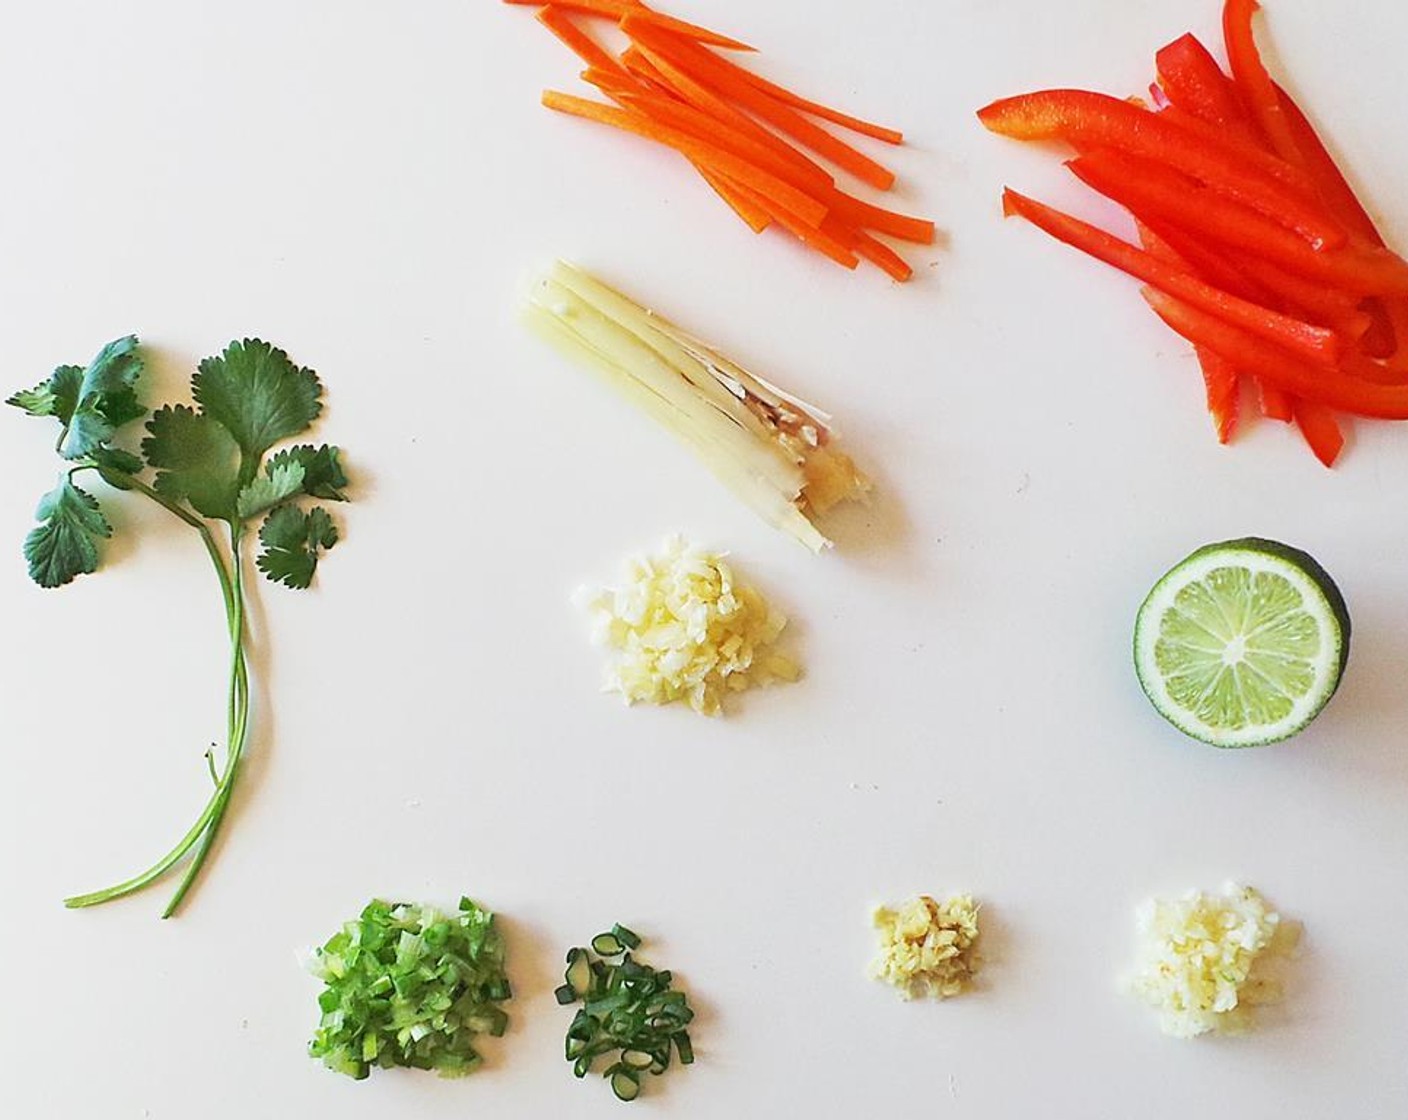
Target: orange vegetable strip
point(715, 72)
point(879, 254)
point(863, 214)
point(676, 114)
point(1321, 430)
point(620, 9)
point(1253, 83)
point(578, 41)
point(1309, 342)
point(811, 236)
point(754, 216)
point(1346, 394)
point(614, 84)
point(778, 192)
point(1329, 180)
point(706, 101)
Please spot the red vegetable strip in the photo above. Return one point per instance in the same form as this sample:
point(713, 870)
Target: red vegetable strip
point(1222, 384)
point(811, 236)
point(1317, 423)
point(1086, 119)
point(1250, 151)
point(797, 203)
point(722, 77)
point(1153, 192)
point(1253, 83)
point(1313, 344)
point(1193, 82)
point(578, 41)
point(1276, 403)
point(754, 216)
point(863, 214)
point(1329, 180)
point(1347, 394)
point(619, 9)
point(706, 101)
point(1309, 299)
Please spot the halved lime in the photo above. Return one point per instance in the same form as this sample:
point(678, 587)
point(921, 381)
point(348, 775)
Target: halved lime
point(1242, 643)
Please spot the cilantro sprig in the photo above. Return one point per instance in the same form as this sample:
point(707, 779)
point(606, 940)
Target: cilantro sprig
point(211, 468)
point(409, 986)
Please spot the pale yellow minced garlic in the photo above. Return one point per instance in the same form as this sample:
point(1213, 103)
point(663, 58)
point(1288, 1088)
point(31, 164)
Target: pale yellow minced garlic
point(681, 627)
point(1204, 957)
point(928, 947)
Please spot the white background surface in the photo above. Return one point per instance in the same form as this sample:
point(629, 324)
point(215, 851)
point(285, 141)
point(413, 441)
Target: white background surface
point(370, 185)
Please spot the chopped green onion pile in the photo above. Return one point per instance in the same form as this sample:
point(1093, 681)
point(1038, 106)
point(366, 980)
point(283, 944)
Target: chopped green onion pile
point(410, 986)
point(628, 1010)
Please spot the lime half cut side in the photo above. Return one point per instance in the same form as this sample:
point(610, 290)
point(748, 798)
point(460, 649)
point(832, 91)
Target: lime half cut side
point(1242, 643)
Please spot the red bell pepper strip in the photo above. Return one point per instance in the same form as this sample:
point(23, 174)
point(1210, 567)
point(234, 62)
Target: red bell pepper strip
point(1341, 392)
point(1087, 119)
point(1254, 85)
point(1321, 430)
point(1329, 180)
point(1223, 386)
point(1154, 192)
point(1311, 343)
point(1193, 82)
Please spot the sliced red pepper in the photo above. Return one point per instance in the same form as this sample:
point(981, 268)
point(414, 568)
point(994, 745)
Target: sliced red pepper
point(1321, 430)
point(1155, 192)
point(1224, 392)
point(1276, 403)
point(1088, 119)
point(1253, 83)
point(1245, 351)
point(1329, 180)
point(1193, 82)
point(1313, 344)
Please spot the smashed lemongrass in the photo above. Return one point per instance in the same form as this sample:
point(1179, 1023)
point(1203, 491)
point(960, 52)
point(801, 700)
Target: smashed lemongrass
point(681, 627)
point(768, 447)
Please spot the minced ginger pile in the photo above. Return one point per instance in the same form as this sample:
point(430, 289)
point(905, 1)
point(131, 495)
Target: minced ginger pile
point(1204, 957)
point(928, 947)
point(682, 628)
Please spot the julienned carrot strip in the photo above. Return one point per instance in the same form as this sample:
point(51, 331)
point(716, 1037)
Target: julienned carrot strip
point(864, 215)
point(1321, 430)
point(1253, 83)
point(720, 76)
point(754, 216)
point(816, 109)
point(706, 101)
point(619, 9)
point(1347, 394)
point(578, 41)
point(613, 83)
point(811, 236)
point(1311, 343)
point(784, 195)
point(878, 254)
point(686, 118)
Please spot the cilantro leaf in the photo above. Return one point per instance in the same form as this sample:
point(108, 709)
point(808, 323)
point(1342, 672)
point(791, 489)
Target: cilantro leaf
point(115, 465)
point(66, 544)
point(293, 541)
point(258, 395)
point(91, 403)
point(56, 396)
point(277, 485)
point(197, 460)
point(323, 476)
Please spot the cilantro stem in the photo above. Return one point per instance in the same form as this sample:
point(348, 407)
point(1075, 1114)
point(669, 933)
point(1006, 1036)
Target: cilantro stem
point(231, 580)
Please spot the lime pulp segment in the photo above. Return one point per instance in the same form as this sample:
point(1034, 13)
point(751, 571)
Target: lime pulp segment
point(1242, 643)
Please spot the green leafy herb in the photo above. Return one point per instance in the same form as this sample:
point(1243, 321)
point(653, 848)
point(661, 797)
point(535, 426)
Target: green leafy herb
point(628, 1010)
point(207, 462)
point(410, 986)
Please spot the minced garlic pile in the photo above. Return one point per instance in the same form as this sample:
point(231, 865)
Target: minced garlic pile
point(682, 628)
point(928, 947)
point(1200, 957)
